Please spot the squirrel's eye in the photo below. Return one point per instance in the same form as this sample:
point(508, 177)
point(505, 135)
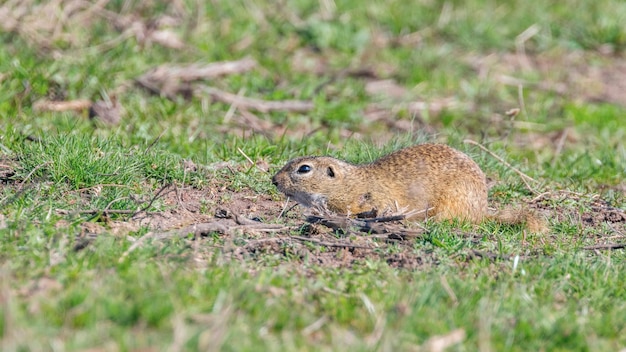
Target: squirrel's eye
point(303, 169)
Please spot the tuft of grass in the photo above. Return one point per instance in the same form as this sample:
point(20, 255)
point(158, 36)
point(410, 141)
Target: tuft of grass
point(91, 172)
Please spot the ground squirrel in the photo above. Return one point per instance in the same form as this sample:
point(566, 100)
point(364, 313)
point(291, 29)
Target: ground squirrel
point(422, 181)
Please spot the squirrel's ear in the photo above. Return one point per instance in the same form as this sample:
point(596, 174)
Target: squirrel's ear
point(330, 172)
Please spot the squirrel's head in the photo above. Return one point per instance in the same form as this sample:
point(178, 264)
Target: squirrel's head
point(311, 180)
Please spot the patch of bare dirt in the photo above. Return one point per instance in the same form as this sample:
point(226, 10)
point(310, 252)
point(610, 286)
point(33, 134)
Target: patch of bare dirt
point(248, 227)
point(322, 246)
point(244, 225)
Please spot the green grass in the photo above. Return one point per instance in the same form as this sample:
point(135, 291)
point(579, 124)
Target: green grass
point(58, 293)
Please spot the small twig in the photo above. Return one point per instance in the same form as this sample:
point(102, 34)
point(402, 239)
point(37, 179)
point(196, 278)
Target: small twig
point(61, 106)
point(385, 219)
point(194, 72)
point(607, 246)
point(328, 244)
point(541, 195)
point(523, 176)
point(171, 80)
point(264, 106)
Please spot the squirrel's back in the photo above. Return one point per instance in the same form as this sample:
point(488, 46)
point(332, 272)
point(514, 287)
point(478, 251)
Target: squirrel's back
point(427, 180)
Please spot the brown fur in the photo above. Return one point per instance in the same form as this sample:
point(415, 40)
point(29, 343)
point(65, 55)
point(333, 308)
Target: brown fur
point(427, 180)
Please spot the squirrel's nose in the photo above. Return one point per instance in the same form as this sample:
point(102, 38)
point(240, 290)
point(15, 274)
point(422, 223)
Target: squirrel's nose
point(274, 182)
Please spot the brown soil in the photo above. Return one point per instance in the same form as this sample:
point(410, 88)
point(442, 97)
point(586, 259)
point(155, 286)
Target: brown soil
point(244, 226)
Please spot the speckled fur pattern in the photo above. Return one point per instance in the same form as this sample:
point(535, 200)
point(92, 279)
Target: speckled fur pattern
point(427, 180)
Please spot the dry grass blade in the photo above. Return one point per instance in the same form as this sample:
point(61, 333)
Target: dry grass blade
point(263, 106)
point(442, 342)
point(525, 178)
point(172, 80)
point(195, 72)
point(61, 106)
point(607, 246)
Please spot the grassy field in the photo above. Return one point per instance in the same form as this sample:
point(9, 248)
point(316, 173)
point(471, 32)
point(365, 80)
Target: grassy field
point(125, 123)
